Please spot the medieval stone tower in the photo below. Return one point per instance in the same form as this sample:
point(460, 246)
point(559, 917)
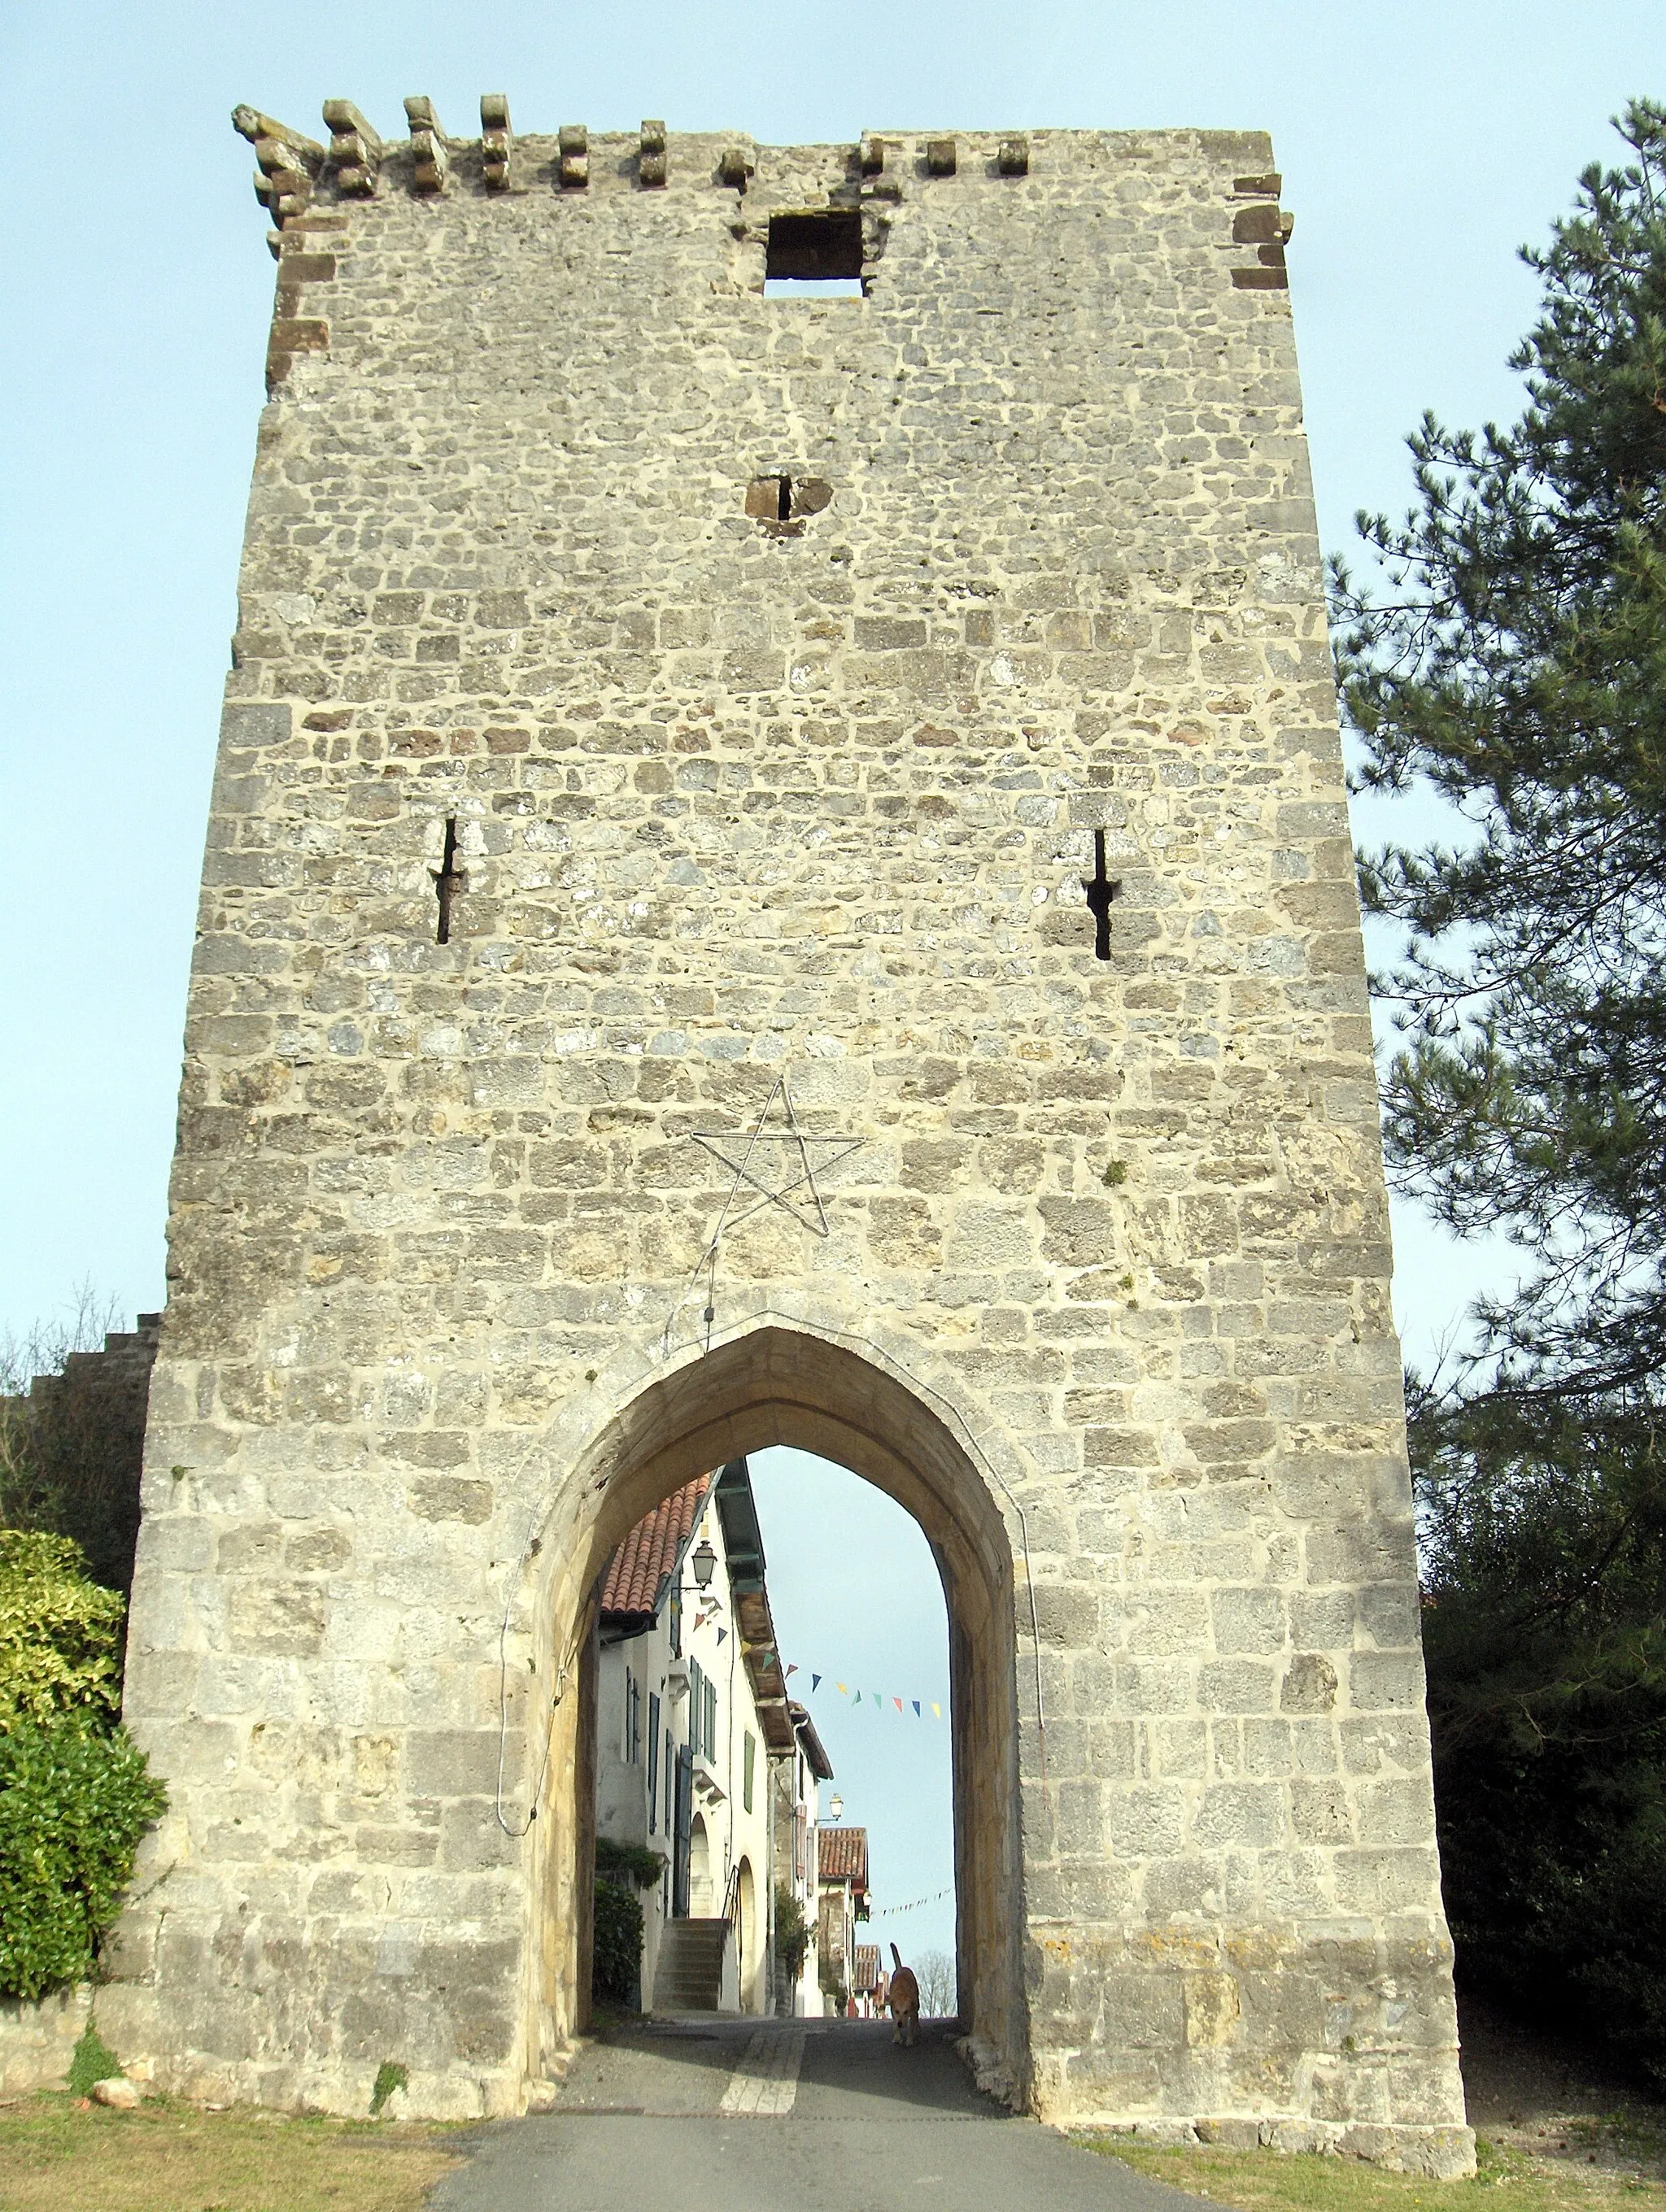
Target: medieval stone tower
point(668, 712)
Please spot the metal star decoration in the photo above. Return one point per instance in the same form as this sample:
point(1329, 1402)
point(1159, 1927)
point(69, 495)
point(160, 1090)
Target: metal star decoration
point(751, 1156)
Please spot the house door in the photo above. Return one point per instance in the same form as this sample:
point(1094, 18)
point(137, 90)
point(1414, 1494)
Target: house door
point(681, 1833)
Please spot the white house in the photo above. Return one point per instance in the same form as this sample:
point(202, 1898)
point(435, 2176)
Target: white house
point(692, 1716)
point(841, 1871)
point(795, 1780)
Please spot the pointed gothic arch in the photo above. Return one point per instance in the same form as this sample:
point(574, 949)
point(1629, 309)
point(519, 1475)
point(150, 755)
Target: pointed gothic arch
point(775, 1384)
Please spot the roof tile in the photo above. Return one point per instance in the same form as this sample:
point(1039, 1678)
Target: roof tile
point(843, 1855)
point(634, 1587)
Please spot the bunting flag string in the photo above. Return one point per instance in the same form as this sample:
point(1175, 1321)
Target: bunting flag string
point(918, 1707)
point(888, 1911)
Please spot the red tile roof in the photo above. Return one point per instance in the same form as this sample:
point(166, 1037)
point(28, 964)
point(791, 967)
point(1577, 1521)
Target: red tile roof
point(843, 1855)
point(634, 1587)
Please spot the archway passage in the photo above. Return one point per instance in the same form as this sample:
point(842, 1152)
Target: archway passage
point(777, 1385)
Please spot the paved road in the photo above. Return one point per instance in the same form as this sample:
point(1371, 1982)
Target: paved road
point(783, 2116)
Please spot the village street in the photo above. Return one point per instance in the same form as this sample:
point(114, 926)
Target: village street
point(784, 2116)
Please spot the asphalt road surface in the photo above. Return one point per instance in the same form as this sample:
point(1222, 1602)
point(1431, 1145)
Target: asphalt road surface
point(783, 2116)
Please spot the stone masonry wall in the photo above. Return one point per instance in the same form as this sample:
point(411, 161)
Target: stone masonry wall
point(732, 796)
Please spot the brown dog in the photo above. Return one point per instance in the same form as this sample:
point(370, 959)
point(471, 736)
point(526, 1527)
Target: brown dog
point(904, 2001)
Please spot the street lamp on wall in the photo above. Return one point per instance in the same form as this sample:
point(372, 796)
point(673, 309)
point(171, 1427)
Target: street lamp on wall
point(704, 1563)
point(836, 1807)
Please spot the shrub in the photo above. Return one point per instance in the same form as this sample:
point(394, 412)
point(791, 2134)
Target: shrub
point(73, 1801)
point(389, 2077)
point(60, 1635)
point(617, 1958)
point(792, 1931)
point(627, 1863)
point(92, 2060)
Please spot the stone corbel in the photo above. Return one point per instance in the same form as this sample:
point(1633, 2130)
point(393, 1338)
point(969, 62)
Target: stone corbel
point(355, 151)
point(1013, 159)
point(430, 156)
point(288, 162)
point(1262, 223)
point(651, 162)
point(573, 142)
point(735, 166)
point(941, 157)
point(496, 144)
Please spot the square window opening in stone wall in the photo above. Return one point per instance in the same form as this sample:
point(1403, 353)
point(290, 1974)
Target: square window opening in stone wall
point(817, 255)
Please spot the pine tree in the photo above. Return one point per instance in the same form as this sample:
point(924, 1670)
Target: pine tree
point(1510, 652)
point(1516, 661)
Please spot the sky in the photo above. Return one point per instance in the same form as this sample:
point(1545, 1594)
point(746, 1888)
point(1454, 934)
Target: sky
point(863, 1606)
point(1420, 145)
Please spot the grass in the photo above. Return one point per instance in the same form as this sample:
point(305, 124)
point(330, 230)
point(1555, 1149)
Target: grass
point(1506, 2180)
point(59, 2154)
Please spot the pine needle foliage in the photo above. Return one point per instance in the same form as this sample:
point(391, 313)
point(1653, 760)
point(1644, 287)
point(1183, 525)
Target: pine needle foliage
point(1512, 656)
point(1508, 654)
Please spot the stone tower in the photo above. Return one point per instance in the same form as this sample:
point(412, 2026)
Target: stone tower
point(669, 712)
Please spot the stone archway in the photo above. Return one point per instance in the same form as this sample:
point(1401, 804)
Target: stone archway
point(777, 1384)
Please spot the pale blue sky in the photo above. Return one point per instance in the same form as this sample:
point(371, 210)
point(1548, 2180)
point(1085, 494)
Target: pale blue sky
point(1420, 144)
point(863, 1605)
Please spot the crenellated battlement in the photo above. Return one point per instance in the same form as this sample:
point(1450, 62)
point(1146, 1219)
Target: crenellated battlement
point(295, 172)
point(310, 189)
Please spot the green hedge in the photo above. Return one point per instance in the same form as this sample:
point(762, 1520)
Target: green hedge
point(75, 1794)
point(617, 1962)
point(73, 1801)
point(60, 1634)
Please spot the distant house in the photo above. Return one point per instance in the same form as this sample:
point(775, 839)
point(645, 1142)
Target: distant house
point(797, 1781)
point(693, 1724)
point(870, 1986)
point(842, 1868)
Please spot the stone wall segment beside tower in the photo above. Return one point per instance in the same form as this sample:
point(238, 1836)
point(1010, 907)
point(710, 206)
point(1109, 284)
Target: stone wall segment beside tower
point(709, 794)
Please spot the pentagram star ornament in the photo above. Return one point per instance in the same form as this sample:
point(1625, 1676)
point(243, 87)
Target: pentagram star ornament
point(750, 1155)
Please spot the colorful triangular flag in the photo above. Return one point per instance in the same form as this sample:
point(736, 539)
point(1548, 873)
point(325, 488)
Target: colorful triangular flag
point(857, 1700)
point(791, 1671)
point(918, 1715)
point(721, 1633)
point(842, 1690)
point(898, 1701)
point(815, 1682)
point(937, 1712)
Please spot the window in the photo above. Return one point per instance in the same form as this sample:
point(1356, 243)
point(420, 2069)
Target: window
point(632, 1746)
point(696, 1706)
point(711, 1719)
point(677, 1620)
point(652, 1759)
point(816, 254)
point(749, 1754)
point(671, 1786)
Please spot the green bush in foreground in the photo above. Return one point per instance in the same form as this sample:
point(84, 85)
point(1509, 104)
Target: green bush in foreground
point(60, 1634)
point(73, 1801)
point(617, 1957)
